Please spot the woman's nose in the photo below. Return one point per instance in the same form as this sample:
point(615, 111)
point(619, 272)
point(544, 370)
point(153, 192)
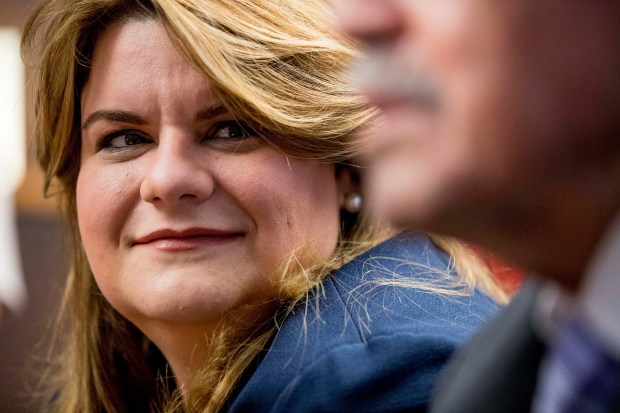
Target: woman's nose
point(178, 172)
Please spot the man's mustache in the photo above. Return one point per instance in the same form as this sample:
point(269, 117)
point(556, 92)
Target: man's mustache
point(380, 75)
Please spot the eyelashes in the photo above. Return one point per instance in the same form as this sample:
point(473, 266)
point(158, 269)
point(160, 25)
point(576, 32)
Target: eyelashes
point(231, 130)
point(122, 140)
point(222, 135)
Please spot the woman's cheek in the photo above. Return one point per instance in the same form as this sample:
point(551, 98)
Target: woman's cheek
point(104, 203)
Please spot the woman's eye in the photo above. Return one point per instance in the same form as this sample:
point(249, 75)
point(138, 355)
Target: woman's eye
point(123, 140)
point(231, 130)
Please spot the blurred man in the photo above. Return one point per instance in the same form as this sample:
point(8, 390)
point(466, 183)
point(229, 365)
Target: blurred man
point(501, 125)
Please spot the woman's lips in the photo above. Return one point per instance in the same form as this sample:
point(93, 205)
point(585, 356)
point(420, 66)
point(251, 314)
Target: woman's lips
point(185, 240)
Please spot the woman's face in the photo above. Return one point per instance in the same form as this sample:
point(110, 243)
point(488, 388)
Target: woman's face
point(183, 213)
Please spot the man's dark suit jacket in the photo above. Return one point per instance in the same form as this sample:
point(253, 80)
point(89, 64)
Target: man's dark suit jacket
point(498, 369)
point(359, 346)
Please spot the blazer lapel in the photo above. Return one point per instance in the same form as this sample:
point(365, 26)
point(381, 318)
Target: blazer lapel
point(497, 370)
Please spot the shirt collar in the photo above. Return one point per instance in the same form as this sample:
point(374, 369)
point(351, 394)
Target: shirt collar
point(597, 302)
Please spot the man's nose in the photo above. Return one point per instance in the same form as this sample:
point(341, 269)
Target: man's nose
point(371, 21)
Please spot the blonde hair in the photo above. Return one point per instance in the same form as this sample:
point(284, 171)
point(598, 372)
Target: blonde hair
point(273, 63)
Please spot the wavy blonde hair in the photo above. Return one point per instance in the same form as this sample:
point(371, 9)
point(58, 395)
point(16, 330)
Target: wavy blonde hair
point(274, 63)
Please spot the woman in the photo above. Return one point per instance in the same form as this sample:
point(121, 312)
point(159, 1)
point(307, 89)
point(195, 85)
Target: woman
point(200, 151)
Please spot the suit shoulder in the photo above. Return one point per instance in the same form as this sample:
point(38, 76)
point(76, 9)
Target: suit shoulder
point(407, 284)
point(371, 331)
point(389, 373)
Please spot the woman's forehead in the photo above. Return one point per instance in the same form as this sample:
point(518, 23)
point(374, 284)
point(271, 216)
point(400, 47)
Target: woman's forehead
point(138, 68)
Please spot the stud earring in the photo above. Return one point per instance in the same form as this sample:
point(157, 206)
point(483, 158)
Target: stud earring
point(353, 203)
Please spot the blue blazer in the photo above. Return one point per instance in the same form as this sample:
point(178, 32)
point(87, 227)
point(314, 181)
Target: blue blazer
point(360, 346)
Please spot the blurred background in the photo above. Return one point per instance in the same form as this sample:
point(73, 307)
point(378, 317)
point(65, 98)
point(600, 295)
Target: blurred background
point(43, 246)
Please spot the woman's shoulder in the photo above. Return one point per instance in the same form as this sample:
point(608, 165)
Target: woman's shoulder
point(408, 283)
point(369, 337)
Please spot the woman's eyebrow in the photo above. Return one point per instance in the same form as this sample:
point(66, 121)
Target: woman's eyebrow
point(113, 116)
point(211, 112)
point(132, 117)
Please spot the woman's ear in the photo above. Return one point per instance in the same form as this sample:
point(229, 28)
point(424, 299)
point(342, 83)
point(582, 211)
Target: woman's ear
point(349, 191)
